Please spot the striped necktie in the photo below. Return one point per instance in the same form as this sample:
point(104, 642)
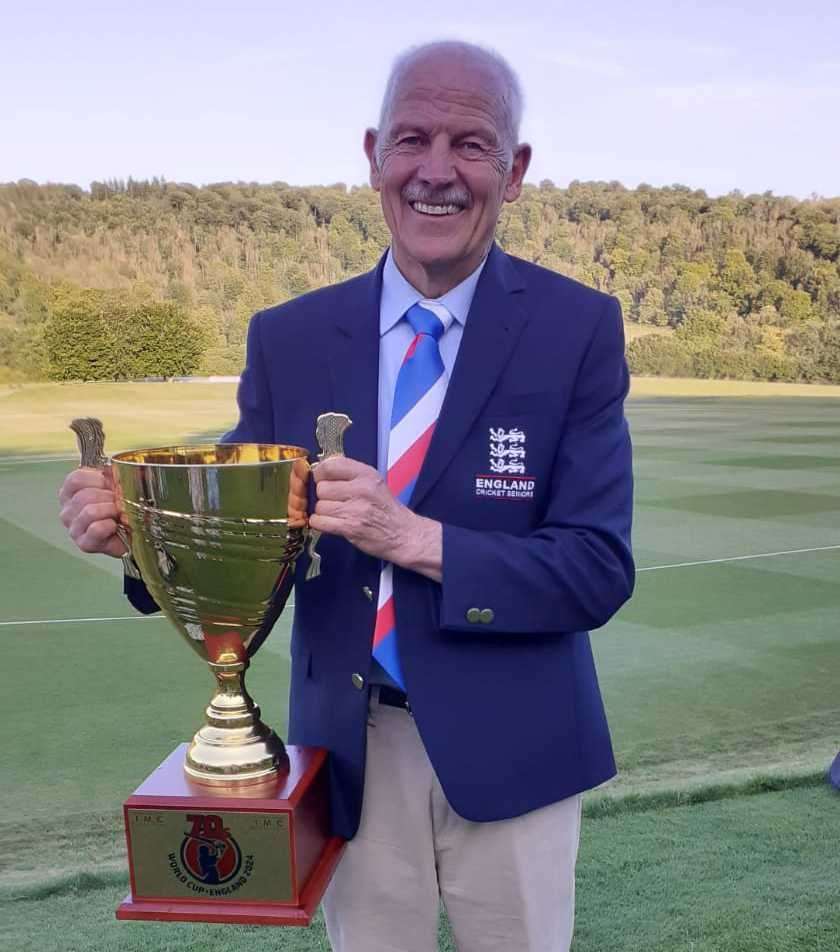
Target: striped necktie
point(418, 396)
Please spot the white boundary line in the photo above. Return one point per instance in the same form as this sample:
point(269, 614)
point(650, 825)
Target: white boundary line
point(736, 558)
point(647, 568)
point(70, 621)
point(157, 616)
point(23, 460)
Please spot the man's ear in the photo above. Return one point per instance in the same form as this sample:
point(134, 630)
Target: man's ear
point(521, 161)
point(370, 152)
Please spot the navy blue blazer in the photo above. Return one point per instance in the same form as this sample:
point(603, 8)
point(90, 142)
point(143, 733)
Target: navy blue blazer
point(537, 539)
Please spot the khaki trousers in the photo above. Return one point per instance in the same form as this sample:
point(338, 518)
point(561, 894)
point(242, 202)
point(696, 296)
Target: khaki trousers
point(507, 886)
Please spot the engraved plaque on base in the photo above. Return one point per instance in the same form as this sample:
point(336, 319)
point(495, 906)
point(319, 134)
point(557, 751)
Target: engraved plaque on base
point(262, 856)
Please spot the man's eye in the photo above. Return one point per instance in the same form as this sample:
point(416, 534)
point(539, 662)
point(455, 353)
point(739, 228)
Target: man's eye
point(470, 145)
point(408, 140)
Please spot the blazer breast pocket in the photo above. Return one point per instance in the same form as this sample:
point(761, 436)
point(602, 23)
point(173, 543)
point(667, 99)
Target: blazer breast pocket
point(509, 456)
point(524, 403)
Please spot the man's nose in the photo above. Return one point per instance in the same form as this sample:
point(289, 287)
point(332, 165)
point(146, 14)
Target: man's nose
point(438, 167)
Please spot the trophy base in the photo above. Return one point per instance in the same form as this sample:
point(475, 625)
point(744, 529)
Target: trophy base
point(254, 854)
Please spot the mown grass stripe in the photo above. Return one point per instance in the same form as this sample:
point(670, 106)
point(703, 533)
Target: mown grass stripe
point(69, 884)
point(607, 806)
point(82, 881)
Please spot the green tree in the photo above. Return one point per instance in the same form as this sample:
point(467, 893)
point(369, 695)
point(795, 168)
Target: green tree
point(817, 351)
point(701, 326)
point(737, 280)
point(692, 290)
point(79, 339)
point(224, 250)
point(157, 339)
point(652, 307)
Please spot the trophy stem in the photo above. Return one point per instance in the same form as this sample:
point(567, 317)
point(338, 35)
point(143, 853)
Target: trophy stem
point(234, 745)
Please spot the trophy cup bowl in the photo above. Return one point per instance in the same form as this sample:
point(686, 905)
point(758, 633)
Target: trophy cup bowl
point(215, 530)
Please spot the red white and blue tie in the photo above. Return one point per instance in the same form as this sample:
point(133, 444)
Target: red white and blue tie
point(418, 397)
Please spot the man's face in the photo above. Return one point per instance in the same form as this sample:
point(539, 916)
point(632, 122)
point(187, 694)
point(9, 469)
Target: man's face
point(444, 167)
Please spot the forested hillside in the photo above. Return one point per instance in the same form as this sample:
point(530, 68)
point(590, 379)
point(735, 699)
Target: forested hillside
point(143, 278)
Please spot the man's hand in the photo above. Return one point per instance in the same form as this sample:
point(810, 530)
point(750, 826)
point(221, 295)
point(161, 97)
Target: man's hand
point(354, 502)
point(89, 511)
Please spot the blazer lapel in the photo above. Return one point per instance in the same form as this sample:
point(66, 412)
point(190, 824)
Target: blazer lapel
point(495, 321)
point(353, 355)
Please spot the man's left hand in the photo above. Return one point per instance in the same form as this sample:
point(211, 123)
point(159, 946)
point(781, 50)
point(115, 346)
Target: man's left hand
point(354, 502)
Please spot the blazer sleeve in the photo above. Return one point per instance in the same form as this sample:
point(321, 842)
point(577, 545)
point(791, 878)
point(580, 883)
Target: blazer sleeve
point(576, 569)
point(256, 425)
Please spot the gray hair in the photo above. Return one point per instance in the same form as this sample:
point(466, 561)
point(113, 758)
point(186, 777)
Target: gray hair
point(511, 99)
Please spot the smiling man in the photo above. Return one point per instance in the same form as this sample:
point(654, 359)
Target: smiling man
point(444, 159)
point(477, 531)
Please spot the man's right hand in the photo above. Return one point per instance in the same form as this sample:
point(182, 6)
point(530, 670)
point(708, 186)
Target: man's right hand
point(89, 511)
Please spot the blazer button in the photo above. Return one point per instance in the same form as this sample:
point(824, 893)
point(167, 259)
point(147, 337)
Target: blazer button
point(474, 615)
point(358, 681)
point(486, 616)
point(367, 591)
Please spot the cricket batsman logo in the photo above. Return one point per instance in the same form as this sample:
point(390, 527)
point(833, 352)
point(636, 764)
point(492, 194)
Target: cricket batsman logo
point(208, 852)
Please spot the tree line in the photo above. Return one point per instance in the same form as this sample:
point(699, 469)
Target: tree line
point(149, 278)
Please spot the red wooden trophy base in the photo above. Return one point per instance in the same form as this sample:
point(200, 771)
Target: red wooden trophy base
point(257, 854)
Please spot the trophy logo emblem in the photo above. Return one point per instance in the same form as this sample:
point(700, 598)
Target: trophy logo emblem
point(209, 854)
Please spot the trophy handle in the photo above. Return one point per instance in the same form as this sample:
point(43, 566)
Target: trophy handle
point(329, 432)
point(91, 439)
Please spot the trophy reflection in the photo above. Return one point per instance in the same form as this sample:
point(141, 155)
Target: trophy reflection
point(214, 531)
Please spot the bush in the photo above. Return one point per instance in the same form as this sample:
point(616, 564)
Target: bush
point(660, 356)
point(816, 351)
point(91, 335)
point(79, 337)
point(158, 339)
point(676, 357)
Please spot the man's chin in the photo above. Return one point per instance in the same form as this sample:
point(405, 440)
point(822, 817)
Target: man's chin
point(436, 254)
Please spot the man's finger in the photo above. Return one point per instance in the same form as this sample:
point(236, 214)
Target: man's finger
point(101, 537)
point(91, 496)
point(339, 467)
point(337, 490)
point(75, 505)
point(115, 547)
point(331, 507)
point(79, 479)
point(92, 514)
point(328, 524)
point(101, 531)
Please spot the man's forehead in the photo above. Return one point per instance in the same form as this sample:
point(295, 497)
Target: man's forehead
point(458, 74)
point(453, 89)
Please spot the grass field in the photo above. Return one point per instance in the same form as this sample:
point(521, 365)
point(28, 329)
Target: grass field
point(722, 668)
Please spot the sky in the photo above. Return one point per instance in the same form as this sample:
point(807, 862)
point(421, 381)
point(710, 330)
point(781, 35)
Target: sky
point(712, 95)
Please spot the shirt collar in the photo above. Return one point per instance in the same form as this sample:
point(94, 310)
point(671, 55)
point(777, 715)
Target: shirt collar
point(398, 295)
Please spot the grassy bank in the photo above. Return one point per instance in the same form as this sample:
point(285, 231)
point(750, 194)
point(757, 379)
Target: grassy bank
point(753, 874)
point(692, 387)
point(35, 416)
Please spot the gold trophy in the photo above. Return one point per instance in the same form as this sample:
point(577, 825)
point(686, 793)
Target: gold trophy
point(235, 826)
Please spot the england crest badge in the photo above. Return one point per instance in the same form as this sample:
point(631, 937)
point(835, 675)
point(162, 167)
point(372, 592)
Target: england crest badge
point(507, 477)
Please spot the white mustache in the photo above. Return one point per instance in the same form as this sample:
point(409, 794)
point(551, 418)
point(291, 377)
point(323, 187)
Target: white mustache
point(448, 196)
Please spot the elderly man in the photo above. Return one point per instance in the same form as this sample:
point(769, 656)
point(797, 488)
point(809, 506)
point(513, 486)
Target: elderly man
point(477, 531)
